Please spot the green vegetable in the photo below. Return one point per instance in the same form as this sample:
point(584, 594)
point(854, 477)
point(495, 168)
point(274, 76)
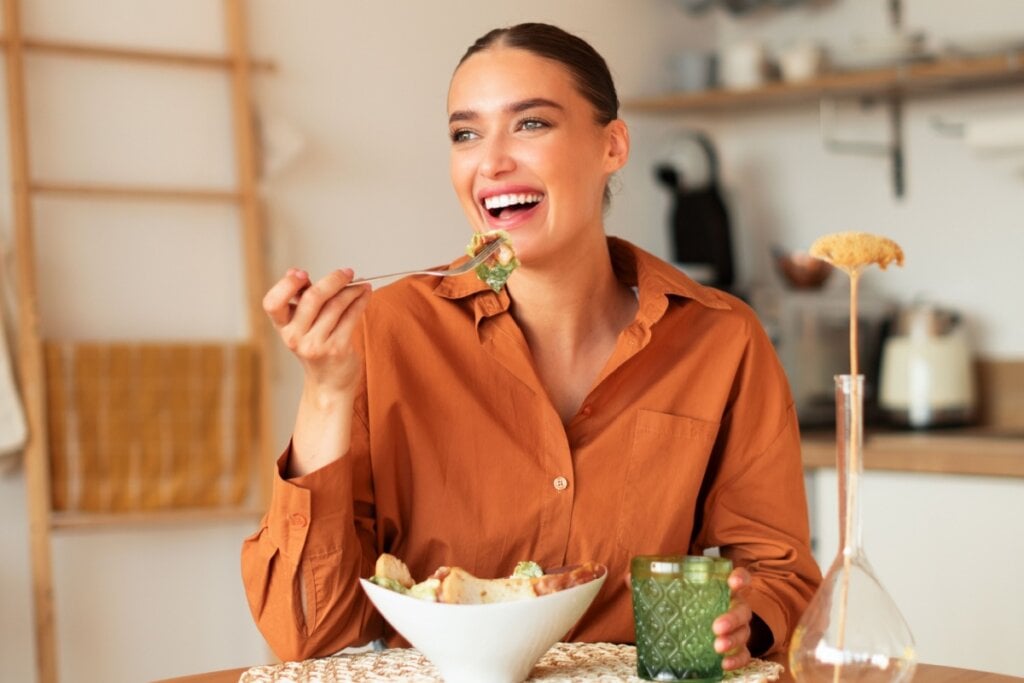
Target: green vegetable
point(527, 570)
point(496, 269)
point(426, 590)
point(390, 584)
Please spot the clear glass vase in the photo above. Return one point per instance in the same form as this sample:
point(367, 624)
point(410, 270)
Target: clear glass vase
point(852, 630)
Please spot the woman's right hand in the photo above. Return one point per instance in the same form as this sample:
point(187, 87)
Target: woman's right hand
point(316, 322)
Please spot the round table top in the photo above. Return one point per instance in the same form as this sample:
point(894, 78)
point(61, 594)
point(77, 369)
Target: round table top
point(925, 673)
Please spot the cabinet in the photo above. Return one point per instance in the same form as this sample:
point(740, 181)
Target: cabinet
point(948, 550)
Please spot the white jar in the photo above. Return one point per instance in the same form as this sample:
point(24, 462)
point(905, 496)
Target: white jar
point(744, 65)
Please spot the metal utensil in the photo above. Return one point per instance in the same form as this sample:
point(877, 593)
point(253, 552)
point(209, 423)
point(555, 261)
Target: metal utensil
point(465, 267)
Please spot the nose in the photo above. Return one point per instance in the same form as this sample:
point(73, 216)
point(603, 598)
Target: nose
point(496, 157)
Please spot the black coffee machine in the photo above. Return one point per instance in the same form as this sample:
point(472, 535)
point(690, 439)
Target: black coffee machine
point(699, 226)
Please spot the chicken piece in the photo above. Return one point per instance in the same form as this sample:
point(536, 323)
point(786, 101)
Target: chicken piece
point(561, 580)
point(461, 587)
point(499, 265)
point(390, 567)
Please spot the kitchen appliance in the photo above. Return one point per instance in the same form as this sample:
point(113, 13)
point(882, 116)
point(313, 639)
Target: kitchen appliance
point(927, 375)
point(811, 332)
point(699, 228)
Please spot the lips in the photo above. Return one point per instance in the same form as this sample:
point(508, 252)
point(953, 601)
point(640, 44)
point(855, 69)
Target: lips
point(508, 206)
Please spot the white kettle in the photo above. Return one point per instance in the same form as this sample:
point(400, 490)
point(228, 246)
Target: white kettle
point(927, 373)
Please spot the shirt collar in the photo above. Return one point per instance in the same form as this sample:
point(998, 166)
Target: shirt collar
point(486, 302)
point(656, 281)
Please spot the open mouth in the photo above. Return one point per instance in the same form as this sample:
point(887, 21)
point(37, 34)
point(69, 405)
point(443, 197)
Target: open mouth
point(505, 205)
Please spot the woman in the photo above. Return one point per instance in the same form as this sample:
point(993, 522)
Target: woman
point(601, 406)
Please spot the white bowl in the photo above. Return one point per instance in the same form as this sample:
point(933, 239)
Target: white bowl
point(493, 643)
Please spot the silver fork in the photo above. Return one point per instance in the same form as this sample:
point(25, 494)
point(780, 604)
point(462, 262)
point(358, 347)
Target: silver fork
point(444, 272)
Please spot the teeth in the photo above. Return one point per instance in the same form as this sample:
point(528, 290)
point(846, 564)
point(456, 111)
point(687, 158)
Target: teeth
point(500, 201)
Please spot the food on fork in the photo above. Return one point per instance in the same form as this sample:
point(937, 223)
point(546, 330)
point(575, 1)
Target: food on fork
point(855, 250)
point(455, 585)
point(499, 265)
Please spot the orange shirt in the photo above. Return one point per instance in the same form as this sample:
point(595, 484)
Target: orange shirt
point(687, 440)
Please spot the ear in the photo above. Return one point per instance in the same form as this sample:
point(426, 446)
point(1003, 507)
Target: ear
point(617, 149)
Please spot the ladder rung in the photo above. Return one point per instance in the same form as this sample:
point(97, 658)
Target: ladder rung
point(85, 520)
point(190, 59)
point(135, 192)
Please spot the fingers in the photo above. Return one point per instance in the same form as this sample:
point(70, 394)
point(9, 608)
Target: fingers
point(316, 320)
point(739, 579)
point(732, 631)
point(316, 296)
point(736, 661)
point(277, 301)
point(339, 315)
point(736, 618)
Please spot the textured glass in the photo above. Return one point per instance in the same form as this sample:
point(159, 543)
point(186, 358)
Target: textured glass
point(675, 601)
point(852, 630)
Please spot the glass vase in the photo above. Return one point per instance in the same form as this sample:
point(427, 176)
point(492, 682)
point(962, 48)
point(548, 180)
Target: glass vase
point(852, 630)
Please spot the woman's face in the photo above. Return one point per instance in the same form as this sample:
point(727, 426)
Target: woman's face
point(527, 155)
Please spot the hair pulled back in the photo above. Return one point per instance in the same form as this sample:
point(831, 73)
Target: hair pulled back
point(588, 68)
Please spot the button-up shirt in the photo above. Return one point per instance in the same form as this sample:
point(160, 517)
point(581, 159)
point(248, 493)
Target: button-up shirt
point(686, 441)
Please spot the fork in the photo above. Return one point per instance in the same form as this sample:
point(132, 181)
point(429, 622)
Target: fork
point(469, 265)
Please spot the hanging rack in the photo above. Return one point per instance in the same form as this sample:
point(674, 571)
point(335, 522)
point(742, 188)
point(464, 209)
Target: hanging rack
point(893, 149)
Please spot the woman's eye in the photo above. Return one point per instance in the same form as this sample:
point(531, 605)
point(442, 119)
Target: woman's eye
point(462, 135)
point(533, 124)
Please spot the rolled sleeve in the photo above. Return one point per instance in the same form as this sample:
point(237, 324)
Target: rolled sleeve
point(308, 510)
point(309, 535)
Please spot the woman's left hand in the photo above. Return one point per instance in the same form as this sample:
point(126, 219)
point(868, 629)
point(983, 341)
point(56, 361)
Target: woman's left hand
point(732, 629)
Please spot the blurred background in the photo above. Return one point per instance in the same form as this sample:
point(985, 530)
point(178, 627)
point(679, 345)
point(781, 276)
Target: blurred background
point(353, 172)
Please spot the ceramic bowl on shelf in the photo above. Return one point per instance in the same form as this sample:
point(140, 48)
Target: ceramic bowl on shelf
point(486, 643)
point(800, 270)
point(801, 61)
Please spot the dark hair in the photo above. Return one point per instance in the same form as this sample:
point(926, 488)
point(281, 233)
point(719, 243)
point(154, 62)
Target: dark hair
point(588, 68)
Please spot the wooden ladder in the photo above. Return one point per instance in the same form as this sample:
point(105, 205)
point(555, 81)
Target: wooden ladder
point(32, 353)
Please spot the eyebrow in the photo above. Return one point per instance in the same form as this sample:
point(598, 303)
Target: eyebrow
point(512, 108)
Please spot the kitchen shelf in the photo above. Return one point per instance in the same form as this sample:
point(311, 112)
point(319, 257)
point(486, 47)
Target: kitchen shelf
point(953, 451)
point(912, 78)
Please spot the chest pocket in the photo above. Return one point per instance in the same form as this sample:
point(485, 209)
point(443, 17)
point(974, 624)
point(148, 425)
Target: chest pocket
point(667, 463)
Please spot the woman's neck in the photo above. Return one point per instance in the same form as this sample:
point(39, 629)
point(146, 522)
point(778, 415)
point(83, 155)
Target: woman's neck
point(571, 315)
point(573, 301)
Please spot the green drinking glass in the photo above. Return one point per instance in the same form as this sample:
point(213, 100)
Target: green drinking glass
point(675, 600)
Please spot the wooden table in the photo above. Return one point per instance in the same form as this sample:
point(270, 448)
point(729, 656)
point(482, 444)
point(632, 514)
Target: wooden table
point(926, 673)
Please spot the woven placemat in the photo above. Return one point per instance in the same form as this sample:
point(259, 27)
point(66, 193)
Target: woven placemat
point(563, 663)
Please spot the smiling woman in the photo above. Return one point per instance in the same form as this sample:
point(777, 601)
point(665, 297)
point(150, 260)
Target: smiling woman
point(535, 135)
point(600, 405)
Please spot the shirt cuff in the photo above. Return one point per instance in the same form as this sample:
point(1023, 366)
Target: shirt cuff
point(300, 506)
point(774, 616)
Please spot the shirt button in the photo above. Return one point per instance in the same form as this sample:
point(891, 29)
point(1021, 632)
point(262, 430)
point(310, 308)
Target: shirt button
point(560, 483)
point(297, 520)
